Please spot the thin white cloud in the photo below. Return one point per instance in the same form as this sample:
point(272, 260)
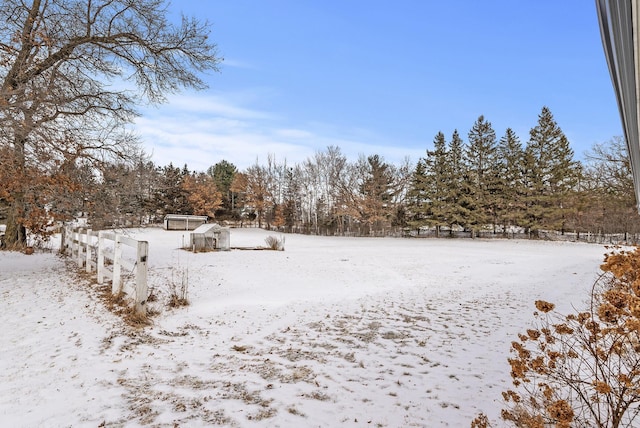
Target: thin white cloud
point(229, 62)
point(200, 131)
point(210, 106)
point(294, 133)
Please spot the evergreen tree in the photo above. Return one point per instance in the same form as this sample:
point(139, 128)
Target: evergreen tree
point(510, 197)
point(552, 174)
point(375, 191)
point(480, 159)
point(170, 197)
point(223, 173)
point(418, 197)
point(458, 194)
point(437, 183)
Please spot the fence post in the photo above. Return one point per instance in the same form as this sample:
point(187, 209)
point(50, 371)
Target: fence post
point(141, 277)
point(100, 261)
point(116, 286)
point(78, 242)
point(63, 239)
point(68, 240)
point(88, 252)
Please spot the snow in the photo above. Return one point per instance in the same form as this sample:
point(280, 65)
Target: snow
point(330, 332)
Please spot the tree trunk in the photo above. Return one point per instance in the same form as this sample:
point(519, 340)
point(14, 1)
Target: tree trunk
point(16, 233)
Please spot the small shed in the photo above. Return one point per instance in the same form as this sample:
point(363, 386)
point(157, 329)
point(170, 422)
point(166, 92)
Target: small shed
point(210, 237)
point(183, 222)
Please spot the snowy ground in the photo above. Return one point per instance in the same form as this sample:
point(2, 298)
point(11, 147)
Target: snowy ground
point(330, 332)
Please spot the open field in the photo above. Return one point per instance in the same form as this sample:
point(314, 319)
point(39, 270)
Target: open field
point(331, 332)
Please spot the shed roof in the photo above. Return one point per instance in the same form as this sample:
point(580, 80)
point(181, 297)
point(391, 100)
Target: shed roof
point(185, 217)
point(207, 228)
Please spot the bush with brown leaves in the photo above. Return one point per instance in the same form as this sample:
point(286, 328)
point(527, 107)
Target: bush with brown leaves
point(581, 369)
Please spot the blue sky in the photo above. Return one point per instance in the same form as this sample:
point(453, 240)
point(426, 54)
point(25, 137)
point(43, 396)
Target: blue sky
point(383, 77)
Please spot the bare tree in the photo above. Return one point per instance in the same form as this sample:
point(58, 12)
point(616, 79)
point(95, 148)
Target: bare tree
point(276, 173)
point(323, 175)
point(609, 183)
point(72, 73)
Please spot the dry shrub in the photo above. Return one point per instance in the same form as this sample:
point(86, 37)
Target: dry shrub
point(119, 305)
point(581, 369)
point(153, 297)
point(175, 301)
point(179, 291)
point(136, 319)
point(273, 243)
point(481, 421)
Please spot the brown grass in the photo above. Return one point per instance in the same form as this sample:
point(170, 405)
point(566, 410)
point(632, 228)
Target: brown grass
point(176, 302)
point(118, 304)
point(178, 290)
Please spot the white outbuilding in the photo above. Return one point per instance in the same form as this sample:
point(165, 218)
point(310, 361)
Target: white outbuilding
point(183, 222)
point(209, 237)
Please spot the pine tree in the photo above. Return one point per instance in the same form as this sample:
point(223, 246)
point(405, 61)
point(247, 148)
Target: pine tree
point(552, 174)
point(511, 192)
point(458, 188)
point(170, 197)
point(480, 159)
point(223, 173)
point(375, 192)
point(418, 197)
point(437, 183)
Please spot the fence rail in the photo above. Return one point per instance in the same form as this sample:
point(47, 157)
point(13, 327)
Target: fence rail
point(102, 252)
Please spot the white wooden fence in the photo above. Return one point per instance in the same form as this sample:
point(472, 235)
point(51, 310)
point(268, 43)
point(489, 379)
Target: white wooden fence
point(102, 252)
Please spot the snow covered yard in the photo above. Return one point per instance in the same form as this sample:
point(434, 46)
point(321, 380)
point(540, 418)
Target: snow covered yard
point(330, 332)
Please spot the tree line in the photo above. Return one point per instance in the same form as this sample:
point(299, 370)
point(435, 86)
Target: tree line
point(65, 147)
point(482, 185)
